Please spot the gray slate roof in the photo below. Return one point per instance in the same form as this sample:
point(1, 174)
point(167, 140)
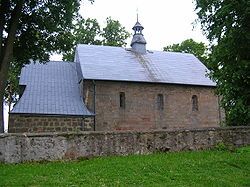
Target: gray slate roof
point(137, 24)
point(51, 89)
point(119, 64)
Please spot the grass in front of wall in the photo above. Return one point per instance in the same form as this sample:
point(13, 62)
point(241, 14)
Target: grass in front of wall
point(200, 168)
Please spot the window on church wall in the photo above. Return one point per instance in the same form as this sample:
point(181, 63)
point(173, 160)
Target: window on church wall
point(122, 99)
point(160, 102)
point(195, 103)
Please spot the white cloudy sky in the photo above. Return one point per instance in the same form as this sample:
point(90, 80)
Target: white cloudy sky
point(165, 21)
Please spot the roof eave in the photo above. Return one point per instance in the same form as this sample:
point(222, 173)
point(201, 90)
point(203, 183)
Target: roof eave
point(149, 82)
point(51, 115)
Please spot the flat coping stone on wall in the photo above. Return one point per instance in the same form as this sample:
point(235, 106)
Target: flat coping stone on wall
point(95, 133)
point(53, 134)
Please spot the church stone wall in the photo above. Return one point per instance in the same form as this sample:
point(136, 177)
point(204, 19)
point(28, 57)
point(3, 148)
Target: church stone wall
point(141, 109)
point(41, 124)
point(89, 92)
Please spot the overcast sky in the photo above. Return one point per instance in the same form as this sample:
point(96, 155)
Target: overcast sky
point(165, 21)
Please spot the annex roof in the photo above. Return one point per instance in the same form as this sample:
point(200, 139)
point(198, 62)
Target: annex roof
point(119, 64)
point(50, 89)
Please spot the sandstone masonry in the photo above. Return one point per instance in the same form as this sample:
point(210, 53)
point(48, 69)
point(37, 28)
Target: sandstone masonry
point(26, 123)
point(141, 110)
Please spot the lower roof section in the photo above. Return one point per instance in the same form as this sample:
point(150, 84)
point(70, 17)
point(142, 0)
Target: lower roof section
point(50, 89)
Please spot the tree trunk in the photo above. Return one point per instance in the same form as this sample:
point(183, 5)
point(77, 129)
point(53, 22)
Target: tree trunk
point(1, 118)
point(7, 55)
point(3, 80)
point(9, 103)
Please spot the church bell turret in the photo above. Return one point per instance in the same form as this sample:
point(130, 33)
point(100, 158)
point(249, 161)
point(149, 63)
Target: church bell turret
point(138, 43)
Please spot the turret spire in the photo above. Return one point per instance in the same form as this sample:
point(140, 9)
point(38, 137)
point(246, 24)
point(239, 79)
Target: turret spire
point(138, 43)
point(137, 15)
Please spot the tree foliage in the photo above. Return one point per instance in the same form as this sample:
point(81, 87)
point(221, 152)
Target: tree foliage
point(88, 31)
point(31, 29)
point(226, 24)
point(84, 31)
point(12, 90)
point(190, 46)
point(114, 34)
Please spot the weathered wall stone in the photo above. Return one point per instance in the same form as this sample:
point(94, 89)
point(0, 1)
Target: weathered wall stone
point(25, 123)
point(15, 148)
point(141, 111)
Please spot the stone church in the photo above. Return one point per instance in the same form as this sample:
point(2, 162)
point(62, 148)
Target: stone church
point(114, 88)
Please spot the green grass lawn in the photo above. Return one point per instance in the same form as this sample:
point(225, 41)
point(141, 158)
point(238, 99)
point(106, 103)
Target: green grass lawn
point(202, 168)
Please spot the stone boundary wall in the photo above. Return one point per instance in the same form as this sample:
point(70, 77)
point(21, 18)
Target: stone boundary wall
point(15, 148)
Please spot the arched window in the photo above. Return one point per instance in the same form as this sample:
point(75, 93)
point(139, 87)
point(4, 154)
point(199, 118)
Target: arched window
point(160, 102)
point(195, 103)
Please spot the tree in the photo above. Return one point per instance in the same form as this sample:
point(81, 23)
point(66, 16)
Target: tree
point(226, 25)
point(32, 29)
point(88, 31)
point(114, 34)
point(190, 46)
point(12, 90)
point(84, 31)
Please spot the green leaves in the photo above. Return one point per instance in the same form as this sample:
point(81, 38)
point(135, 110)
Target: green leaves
point(226, 23)
point(190, 46)
point(12, 89)
point(88, 31)
point(114, 33)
